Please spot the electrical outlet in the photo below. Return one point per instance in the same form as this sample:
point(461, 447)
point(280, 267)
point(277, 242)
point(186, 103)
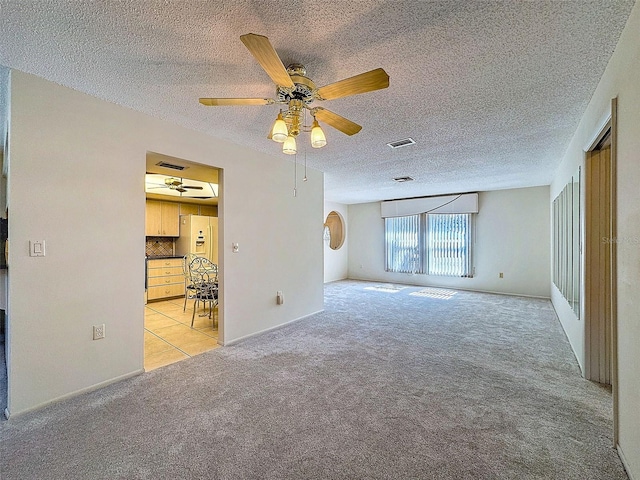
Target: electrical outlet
point(501, 275)
point(98, 332)
point(279, 298)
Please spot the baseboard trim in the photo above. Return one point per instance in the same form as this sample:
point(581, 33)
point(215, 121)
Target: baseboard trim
point(75, 393)
point(245, 337)
point(573, 350)
point(625, 465)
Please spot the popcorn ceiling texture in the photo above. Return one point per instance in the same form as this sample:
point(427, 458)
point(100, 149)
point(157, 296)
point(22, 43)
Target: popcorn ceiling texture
point(490, 91)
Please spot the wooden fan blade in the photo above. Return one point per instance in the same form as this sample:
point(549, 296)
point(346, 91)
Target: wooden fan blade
point(365, 82)
point(192, 187)
point(336, 121)
point(261, 48)
point(222, 102)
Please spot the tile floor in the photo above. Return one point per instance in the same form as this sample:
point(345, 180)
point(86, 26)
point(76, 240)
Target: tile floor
point(168, 336)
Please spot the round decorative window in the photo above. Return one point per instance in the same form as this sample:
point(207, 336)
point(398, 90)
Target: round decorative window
point(334, 226)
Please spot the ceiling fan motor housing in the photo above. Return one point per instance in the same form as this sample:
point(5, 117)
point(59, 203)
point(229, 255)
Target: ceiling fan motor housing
point(297, 98)
point(172, 182)
point(303, 90)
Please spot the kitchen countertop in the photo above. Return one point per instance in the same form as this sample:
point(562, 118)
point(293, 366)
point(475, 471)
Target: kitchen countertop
point(161, 257)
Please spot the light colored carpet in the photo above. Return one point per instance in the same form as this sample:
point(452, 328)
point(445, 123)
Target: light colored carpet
point(380, 385)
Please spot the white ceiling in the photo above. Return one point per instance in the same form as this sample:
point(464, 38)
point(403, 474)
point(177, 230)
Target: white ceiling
point(490, 91)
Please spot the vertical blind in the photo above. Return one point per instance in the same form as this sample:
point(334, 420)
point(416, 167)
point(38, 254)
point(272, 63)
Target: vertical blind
point(436, 244)
point(449, 246)
point(404, 243)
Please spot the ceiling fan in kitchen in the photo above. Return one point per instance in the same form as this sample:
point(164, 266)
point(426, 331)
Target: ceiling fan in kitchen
point(173, 184)
point(168, 185)
point(296, 92)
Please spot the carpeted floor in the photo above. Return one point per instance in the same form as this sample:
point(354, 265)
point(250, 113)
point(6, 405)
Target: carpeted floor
point(382, 385)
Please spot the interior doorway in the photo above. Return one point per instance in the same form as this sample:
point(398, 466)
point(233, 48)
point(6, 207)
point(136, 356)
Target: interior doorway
point(180, 196)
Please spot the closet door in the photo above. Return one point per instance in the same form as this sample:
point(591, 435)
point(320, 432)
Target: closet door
point(598, 246)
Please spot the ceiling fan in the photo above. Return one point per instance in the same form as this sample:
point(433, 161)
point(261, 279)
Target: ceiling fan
point(174, 184)
point(297, 92)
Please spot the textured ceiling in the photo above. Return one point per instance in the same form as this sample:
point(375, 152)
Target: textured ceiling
point(490, 91)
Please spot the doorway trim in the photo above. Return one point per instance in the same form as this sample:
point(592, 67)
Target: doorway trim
point(614, 268)
point(608, 128)
point(201, 172)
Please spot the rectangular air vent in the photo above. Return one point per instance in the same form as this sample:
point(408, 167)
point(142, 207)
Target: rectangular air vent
point(402, 143)
point(170, 165)
point(403, 179)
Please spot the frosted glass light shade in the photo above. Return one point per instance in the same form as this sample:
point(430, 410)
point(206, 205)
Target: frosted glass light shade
point(289, 146)
point(318, 139)
point(279, 132)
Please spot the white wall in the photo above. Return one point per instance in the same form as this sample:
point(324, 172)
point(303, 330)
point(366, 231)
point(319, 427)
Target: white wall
point(4, 119)
point(336, 262)
point(4, 103)
point(620, 79)
point(512, 237)
point(77, 182)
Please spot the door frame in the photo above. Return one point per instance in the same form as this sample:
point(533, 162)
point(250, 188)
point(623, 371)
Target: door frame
point(610, 125)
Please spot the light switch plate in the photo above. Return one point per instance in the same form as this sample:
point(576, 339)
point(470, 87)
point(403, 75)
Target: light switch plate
point(36, 248)
point(236, 247)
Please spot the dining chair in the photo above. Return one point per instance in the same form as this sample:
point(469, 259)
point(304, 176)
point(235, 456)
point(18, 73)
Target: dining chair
point(206, 291)
point(203, 264)
point(189, 289)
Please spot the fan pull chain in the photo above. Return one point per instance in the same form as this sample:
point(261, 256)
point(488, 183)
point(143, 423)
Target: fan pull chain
point(304, 179)
point(295, 175)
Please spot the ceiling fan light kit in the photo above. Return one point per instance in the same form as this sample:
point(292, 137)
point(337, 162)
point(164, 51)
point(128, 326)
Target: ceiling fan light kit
point(279, 131)
point(318, 140)
point(289, 146)
point(295, 90)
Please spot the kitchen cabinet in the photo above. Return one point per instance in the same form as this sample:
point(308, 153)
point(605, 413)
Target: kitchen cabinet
point(192, 209)
point(189, 209)
point(162, 219)
point(170, 219)
point(153, 219)
point(165, 278)
point(208, 211)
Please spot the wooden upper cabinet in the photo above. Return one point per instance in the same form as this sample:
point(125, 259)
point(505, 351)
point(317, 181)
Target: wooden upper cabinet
point(209, 211)
point(170, 219)
point(153, 219)
point(189, 209)
point(162, 219)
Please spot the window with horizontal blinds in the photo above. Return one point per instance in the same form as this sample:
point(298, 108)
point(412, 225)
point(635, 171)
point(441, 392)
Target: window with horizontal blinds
point(435, 244)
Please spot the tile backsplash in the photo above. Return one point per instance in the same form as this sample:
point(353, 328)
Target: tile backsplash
point(159, 247)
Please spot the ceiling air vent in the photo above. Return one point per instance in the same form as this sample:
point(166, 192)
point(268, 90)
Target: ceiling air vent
point(402, 143)
point(403, 179)
point(170, 165)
